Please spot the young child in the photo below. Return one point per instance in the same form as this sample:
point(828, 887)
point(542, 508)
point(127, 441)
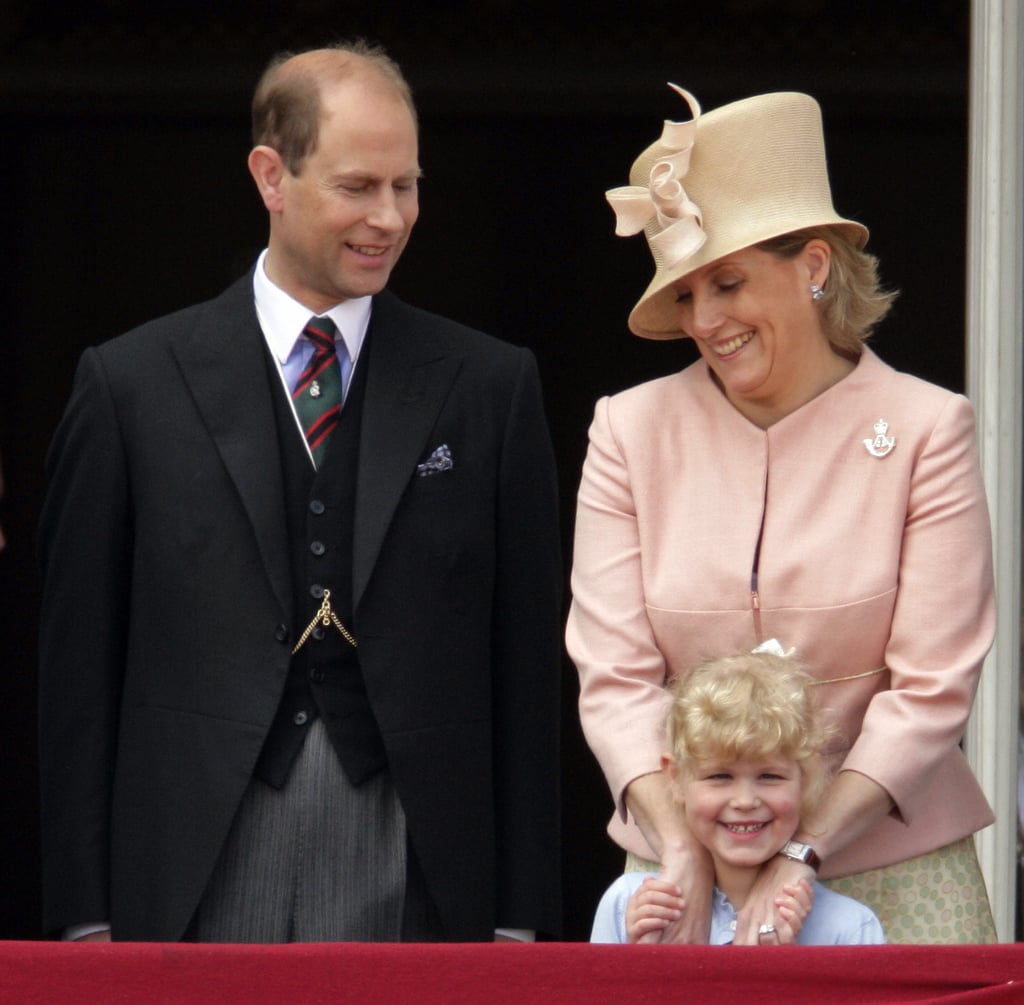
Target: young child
point(745, 763)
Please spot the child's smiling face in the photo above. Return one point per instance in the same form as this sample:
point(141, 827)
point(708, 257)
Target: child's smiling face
point(742, 811)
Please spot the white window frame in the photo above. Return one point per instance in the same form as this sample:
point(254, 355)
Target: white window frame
point(995, 330)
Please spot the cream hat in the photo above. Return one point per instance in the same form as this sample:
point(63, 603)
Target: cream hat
point(752, 170)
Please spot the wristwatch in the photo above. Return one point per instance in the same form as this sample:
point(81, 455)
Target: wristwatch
point(799, 852)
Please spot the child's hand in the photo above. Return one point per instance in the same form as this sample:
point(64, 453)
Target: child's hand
point(653, 908)
point(793, 907)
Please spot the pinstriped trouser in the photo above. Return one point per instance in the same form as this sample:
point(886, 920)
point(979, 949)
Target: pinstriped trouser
point(318, 860)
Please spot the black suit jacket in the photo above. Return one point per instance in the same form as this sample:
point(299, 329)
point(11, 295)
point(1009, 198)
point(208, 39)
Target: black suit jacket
point(166, 628)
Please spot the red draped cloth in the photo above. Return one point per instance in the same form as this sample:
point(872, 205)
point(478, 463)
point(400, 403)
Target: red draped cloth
point(556, 973)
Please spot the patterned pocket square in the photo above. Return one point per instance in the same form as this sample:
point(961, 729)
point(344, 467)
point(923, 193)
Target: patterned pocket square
point(440, 460)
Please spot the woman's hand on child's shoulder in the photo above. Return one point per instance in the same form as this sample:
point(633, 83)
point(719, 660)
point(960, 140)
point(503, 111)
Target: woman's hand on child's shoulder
point(654, 906)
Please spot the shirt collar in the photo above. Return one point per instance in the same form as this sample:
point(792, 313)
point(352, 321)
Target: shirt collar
point(282, 317)
point(723, 920)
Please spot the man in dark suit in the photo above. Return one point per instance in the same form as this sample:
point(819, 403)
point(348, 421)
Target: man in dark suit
point(304, 687)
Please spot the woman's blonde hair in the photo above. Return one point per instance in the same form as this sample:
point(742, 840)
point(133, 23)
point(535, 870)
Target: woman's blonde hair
point(854, 302)
point(750, 705)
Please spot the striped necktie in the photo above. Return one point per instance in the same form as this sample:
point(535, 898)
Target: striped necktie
point(317, 395)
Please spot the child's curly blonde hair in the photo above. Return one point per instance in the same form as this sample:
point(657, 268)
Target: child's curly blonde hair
point(745, 706)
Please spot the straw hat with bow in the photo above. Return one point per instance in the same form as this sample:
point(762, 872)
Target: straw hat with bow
point(744, 173)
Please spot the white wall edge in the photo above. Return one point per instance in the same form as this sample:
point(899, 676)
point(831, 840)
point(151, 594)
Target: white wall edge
point(995, 280)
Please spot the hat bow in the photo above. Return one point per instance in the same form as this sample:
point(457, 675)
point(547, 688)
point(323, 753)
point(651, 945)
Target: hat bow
point(664, 198)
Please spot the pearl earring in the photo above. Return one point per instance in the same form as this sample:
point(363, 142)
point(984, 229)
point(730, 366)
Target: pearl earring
point(816, 292)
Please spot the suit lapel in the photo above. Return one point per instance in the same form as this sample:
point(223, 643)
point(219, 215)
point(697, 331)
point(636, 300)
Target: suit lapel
point(223, 362)
point(410, 375)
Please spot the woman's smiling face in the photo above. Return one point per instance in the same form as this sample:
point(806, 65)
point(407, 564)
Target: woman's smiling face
point(754, 322)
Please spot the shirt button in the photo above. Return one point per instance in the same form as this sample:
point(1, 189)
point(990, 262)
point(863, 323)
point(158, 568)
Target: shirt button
point(281, 633)
point(317, 547)
point(318, 632)
point(316, 675)
point(316, 506)
point(316, 591)
point(300, 718)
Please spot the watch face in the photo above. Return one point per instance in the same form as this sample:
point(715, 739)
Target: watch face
point(801, 853)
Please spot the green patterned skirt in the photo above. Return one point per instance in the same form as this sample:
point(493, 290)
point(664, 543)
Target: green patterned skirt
point(934, 899)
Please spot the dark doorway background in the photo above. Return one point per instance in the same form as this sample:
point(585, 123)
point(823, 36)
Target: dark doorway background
point(125, 132)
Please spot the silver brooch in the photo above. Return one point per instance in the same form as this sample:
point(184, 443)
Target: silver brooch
point(881, 445)
point(314, 390)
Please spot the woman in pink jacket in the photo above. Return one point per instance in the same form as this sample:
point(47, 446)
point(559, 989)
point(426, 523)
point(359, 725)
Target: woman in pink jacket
point(787, 485)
